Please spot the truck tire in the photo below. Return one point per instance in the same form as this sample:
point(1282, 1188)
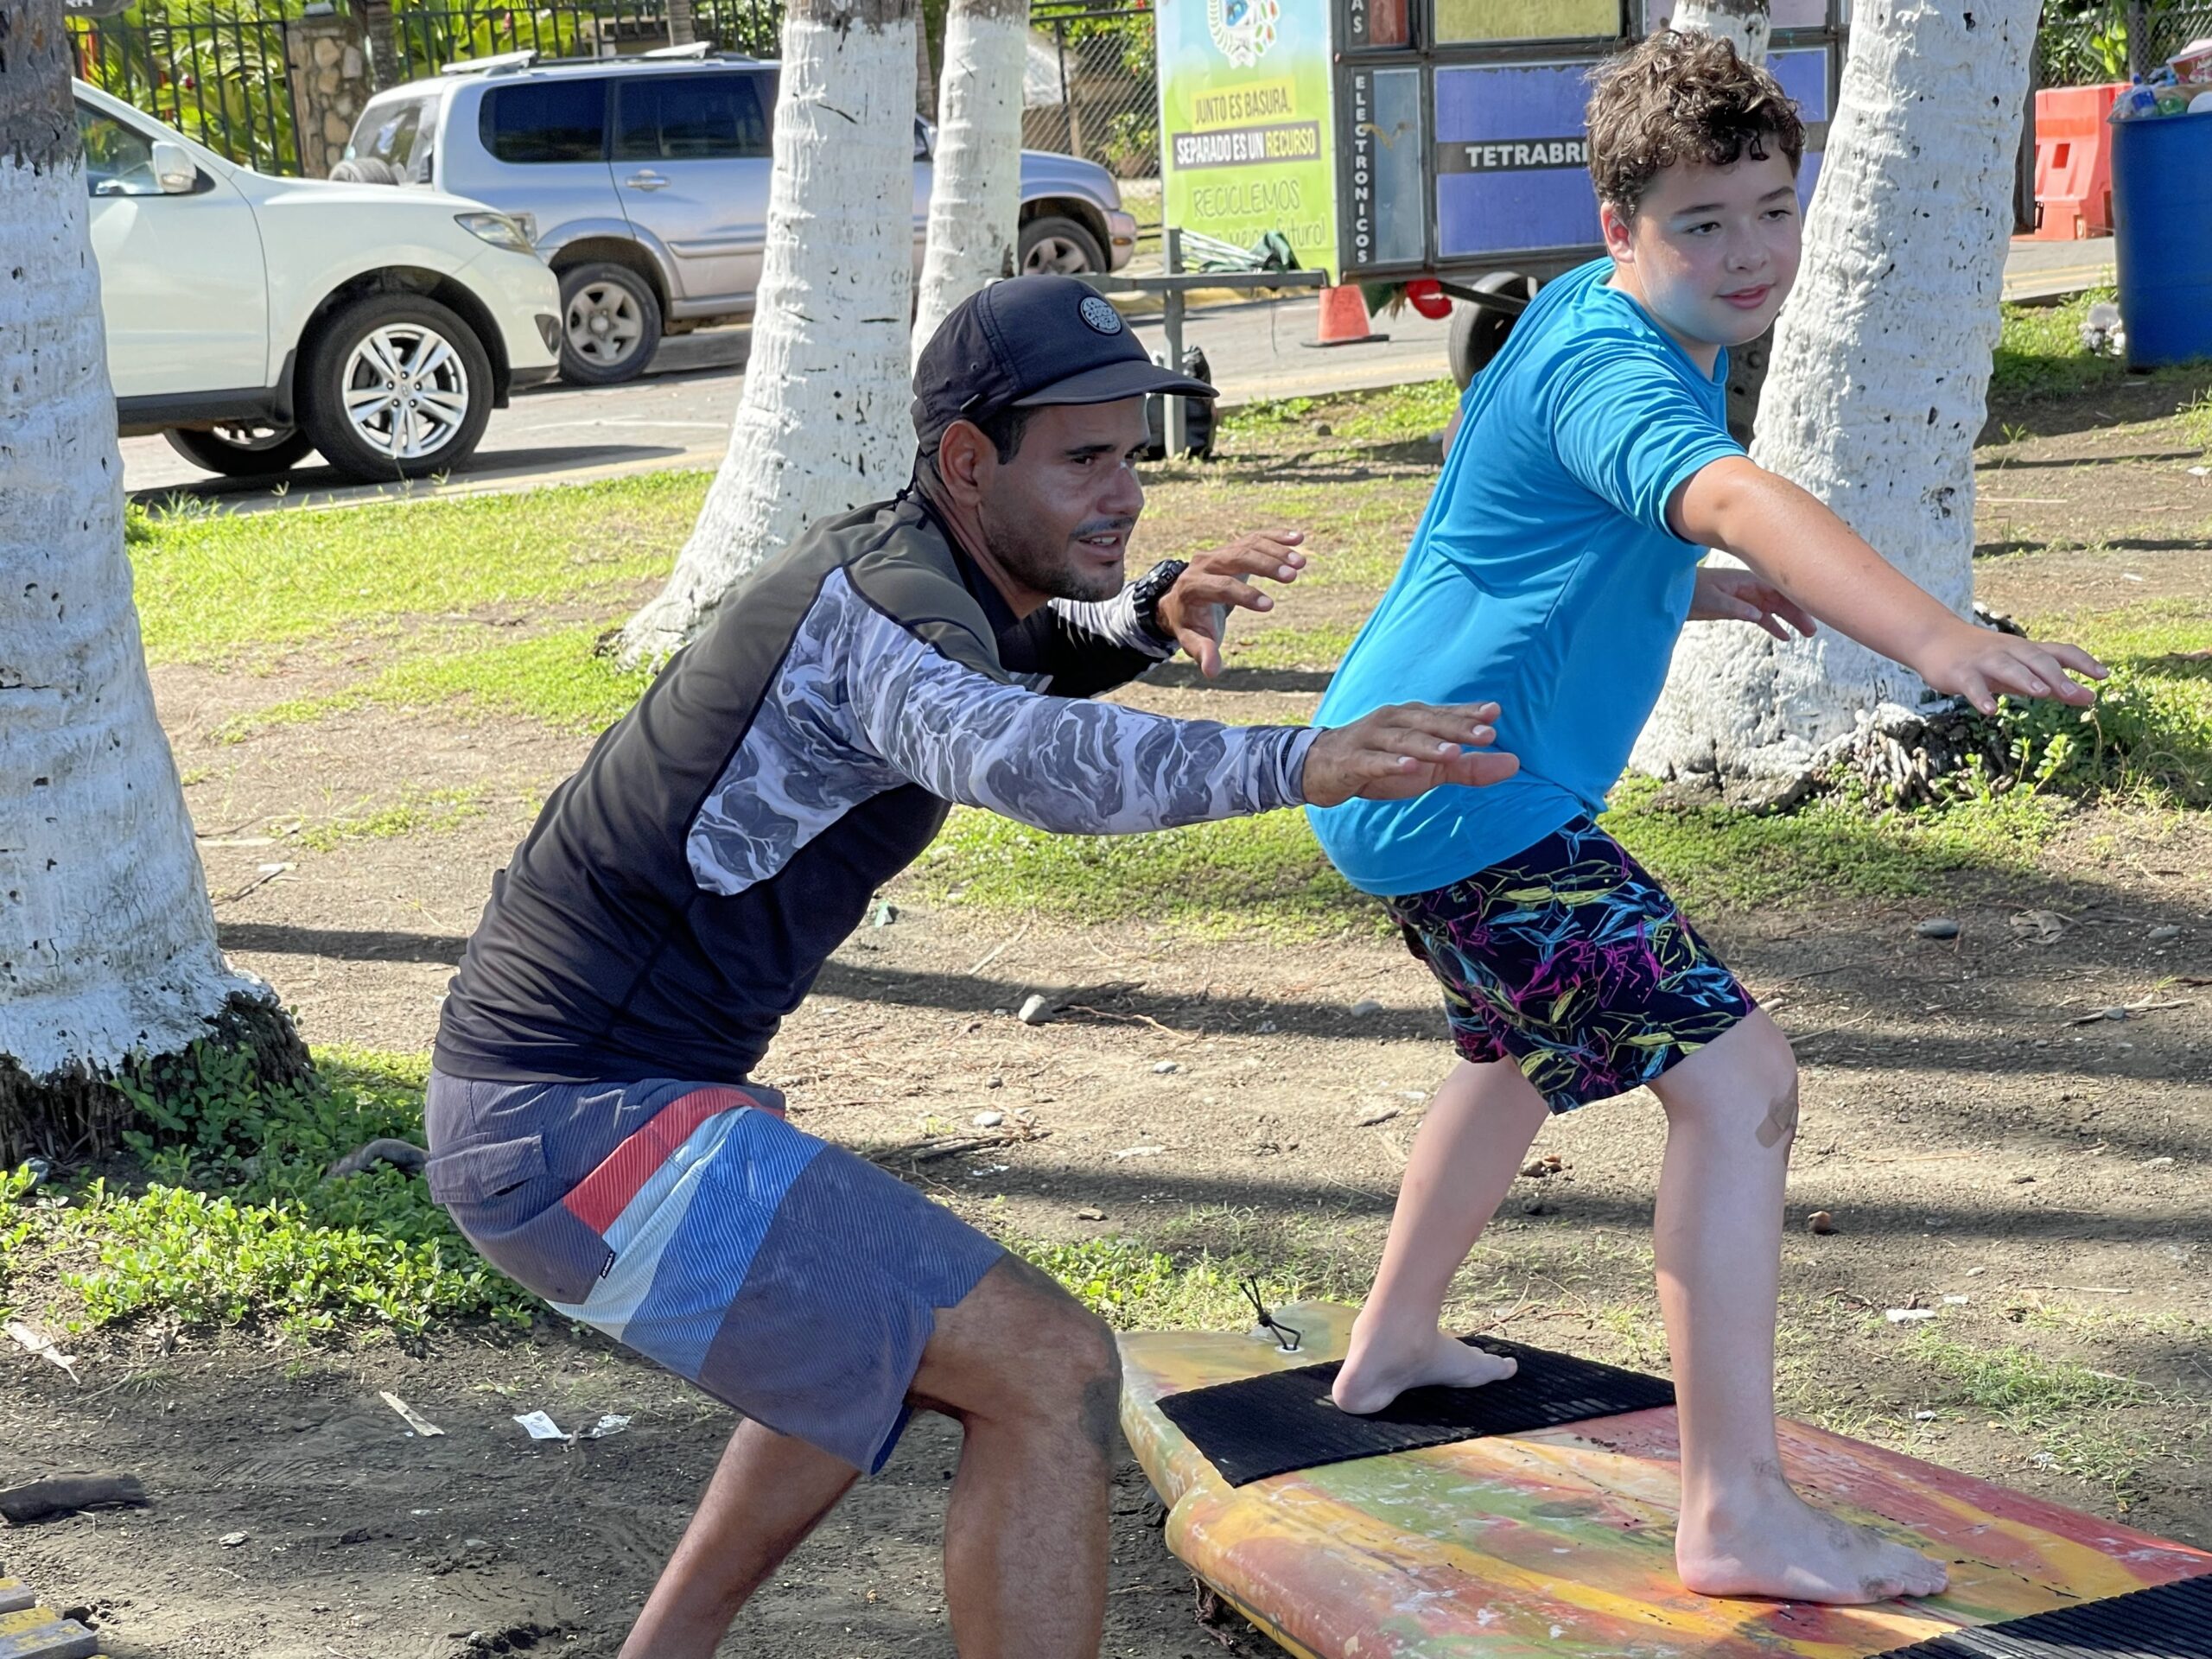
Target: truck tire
point(1478, 331)
point(240, 448)
point(610, 324)
point(1052, 244)
point(394, 386)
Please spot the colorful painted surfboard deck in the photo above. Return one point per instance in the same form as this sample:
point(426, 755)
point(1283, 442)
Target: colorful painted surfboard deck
point(1559, 1542)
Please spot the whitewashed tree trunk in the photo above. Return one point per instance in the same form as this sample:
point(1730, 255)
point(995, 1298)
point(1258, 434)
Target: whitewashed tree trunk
point(1748, 23)
point(107, 940)
point(1881, 371)
point(975, 201)
point(822, 423)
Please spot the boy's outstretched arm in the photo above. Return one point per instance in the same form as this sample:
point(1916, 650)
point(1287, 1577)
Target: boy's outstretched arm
point(1788, 536)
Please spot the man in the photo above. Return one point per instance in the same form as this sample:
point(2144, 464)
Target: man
point(591, 1126)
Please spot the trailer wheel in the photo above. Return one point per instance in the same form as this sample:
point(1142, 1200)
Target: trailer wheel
point(1478, 331)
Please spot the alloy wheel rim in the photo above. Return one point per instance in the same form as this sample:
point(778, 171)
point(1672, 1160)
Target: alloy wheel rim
point(406, 390)
point(1056, 255)
point(604, 326)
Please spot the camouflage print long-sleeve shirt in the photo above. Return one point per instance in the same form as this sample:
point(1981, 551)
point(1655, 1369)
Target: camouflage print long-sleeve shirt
point(678, 895)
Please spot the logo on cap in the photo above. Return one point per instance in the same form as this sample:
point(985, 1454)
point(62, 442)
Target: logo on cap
point(1100, 315)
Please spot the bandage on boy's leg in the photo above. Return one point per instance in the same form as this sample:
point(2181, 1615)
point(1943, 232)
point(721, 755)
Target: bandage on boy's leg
point(1470, 1147)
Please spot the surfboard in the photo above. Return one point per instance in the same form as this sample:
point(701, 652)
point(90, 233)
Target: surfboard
point(1557, 1543)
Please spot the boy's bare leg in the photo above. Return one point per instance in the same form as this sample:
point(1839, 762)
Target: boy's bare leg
point(1469, 1148)
point(1035, 1382)
point(1732, 1110)
point(766, 1494)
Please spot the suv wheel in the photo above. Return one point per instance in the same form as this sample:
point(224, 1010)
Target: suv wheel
point(610, 324)
point(1051, 244)
point(241, 448)
point(395, 386)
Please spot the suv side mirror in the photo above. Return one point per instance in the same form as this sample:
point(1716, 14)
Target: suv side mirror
point(174, 169)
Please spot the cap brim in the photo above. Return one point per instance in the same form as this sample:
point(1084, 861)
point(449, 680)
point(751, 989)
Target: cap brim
point(1111, 382)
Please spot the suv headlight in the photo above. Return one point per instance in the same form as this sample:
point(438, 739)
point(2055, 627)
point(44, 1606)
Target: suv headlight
point(499, 230)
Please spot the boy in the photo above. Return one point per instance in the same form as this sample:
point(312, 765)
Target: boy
point(1555, 569)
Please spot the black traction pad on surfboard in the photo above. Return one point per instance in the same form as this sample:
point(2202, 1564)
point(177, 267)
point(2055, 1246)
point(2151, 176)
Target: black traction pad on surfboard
point(2168, 1621)
point(1278, 1421)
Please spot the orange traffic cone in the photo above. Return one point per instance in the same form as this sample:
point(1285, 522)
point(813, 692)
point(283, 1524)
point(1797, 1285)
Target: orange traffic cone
point(1343, 318)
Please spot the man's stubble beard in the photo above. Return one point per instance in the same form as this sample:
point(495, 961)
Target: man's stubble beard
point(1047, 566)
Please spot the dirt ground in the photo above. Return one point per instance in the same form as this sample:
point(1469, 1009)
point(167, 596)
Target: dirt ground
point(1970, 1134)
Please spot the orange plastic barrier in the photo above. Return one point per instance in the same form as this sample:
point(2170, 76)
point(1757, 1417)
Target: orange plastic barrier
point(2073, 161)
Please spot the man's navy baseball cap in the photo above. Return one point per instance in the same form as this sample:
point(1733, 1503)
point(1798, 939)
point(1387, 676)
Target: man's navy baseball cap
point(1029, 341)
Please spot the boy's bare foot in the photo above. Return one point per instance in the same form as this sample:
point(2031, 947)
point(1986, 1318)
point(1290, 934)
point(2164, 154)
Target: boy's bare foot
point(1780, 1546)
point(1377, 1370)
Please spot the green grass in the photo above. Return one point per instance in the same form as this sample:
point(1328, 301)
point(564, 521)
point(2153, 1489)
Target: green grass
point(1394, 414)
point(2039, 351)
point(231, 1222)
point(557, 679)
point(416, 809)
point(2079, 1419)
point(1258, 647)
point(210, 587)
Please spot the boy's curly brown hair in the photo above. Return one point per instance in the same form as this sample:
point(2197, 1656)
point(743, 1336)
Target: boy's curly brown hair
point(1675, 97)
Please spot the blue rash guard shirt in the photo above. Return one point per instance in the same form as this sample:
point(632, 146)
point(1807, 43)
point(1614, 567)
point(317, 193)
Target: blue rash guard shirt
point(1543, 577)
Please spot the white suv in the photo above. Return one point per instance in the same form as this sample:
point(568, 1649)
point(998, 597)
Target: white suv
point(250, 318)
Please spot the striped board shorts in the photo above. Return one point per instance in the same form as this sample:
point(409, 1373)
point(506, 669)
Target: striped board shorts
point(690, 1222)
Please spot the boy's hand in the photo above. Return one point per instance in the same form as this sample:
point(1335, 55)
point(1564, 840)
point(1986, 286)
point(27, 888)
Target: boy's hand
point(1982, 666)
point(1726, 595)
point(1186, 610)
point(1406, 749)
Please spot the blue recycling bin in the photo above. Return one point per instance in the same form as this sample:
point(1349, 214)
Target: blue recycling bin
point(2162, 236)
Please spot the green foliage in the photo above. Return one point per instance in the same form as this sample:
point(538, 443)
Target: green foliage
point(234, 1221)
point(212, 586)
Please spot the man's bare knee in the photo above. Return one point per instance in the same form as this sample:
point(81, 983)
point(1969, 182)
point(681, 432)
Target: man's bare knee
point(1021, 1347)
point(1745, 1079)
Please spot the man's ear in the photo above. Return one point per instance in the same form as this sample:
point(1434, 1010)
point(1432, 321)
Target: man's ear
point(1620, 240)
point(964, 454)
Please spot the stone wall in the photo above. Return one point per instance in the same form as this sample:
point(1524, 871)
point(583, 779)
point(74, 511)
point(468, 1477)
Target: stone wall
point(330, 83)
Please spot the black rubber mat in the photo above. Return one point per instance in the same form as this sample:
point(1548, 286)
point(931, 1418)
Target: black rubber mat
point(1281, 1420)
point(2169, 1621)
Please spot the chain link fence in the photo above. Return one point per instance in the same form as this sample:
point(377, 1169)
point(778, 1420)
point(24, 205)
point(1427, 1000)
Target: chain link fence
point(2085, 42)
point(1091, 86)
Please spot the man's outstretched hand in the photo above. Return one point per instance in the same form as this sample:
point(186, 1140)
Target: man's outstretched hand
point(1187, 610)
point(1406, 749)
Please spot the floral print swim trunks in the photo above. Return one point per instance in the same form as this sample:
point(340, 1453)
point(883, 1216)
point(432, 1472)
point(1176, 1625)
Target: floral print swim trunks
point(1570, 961)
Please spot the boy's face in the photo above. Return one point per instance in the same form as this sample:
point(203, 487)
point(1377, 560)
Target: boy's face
point(1711, 250)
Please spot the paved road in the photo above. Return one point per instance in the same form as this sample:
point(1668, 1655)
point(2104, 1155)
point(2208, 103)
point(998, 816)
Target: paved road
point(678, 415)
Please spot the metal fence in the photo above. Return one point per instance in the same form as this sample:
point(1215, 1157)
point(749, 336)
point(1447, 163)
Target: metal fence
point(1092, 87)
point(427, 38)
point(212, 74)
point(2083, 42)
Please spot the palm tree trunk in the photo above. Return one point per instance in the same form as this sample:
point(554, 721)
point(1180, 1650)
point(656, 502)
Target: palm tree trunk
point(107, 940)
point(1881, 374)
point(1747, 23)
point(975, 201)
point(822, 422)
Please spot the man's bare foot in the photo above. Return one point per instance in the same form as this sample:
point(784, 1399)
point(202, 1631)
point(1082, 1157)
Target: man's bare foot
point(1378, 1369)
point(1780, 1546)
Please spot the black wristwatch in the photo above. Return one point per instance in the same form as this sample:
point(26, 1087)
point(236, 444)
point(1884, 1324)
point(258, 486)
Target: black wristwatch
point(1148, 589)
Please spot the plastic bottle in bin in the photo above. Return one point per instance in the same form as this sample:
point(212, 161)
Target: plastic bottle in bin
point(2135, 102)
